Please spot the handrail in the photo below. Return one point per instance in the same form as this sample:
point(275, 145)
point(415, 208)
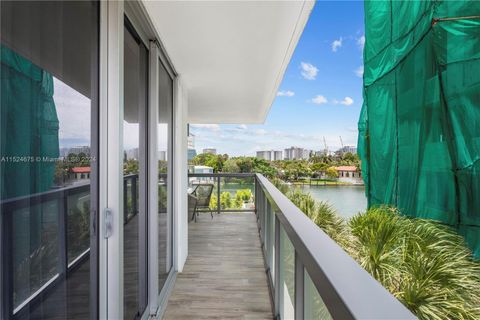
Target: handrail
point(222, 175)
point(348, 290)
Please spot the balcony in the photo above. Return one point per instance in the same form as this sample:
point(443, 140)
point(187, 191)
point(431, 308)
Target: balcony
point(271, 262)
point(264, 261)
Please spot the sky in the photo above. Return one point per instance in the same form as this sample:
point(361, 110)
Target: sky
point(320, 95)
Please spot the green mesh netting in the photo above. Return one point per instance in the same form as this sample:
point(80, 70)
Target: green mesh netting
point(419, 128)
point(28, 127)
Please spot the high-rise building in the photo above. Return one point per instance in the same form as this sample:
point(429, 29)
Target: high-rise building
point(210, 150)
point(191, 146)
point(270, 155)
point(278, 155)
point(346, 149)
point(296, 153)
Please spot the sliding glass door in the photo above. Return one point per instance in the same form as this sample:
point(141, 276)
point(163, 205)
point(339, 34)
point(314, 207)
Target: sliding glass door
point(134, 184)
point(48, 159)
point(165, 191)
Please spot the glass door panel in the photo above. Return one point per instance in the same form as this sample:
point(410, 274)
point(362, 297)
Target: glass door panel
point(48, 167)
point(134, 187)
point(164, 152)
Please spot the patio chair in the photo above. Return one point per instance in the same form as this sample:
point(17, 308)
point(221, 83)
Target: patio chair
point(203, 193)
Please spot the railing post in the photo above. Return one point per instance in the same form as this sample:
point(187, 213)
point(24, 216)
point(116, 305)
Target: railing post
point(134, 195)
point(299, 288)
point(62, 233)
point(125, 200)
point(6, 266)
point(218, 194)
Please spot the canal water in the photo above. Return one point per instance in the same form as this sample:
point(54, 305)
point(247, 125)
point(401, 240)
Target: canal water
point(347, 200)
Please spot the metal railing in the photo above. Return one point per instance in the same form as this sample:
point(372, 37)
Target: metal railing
point(310, 276)
point(225, 183)
point(61, 220)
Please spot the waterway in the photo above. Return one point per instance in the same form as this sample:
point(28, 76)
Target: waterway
point(347, 200)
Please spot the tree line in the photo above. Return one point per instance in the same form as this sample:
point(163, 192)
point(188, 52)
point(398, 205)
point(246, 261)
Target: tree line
point(289, 170)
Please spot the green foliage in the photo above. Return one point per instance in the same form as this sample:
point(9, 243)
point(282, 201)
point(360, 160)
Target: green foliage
point(213, 202)
point(226, 200)
point(249, 165)
point(294, 169)
point(242, 196)
point(231, 166)
point(229, 202)
point(130, 166)
point(322, 214)
point(215, 161)
point(425, 265)
point(331, 173)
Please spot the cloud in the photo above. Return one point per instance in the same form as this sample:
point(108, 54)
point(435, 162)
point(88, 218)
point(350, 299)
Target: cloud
point(286, 93)
point(359, 71)
point(309, 71)
point(337, 44)
point(214, 127)
point(346, 101)
point(261, 132)
point(242, 127)
point(319, 100)
point(361, 42)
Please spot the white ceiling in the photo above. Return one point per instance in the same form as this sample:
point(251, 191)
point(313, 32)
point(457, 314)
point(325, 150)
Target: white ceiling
point(231, 54)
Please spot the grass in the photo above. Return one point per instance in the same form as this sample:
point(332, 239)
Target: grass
point(426, 265)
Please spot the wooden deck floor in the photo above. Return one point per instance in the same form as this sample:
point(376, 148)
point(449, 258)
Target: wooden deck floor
point(224, 276)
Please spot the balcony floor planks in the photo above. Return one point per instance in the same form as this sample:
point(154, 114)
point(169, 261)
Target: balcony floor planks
point(224, 276)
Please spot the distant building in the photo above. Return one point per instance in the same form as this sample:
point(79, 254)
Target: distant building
point(210, 150)
point(296, 153)
point(270, 155)
point(277, 155)
point(349, 174)
point(80, 173)
point(80, 149)
point(346, 149)
point(191, 146)
point(191, 154)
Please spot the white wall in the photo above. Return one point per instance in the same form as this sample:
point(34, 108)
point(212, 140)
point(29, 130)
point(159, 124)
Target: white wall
point(181, 173)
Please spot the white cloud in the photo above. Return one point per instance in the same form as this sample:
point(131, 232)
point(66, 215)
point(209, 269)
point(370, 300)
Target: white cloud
point(309, 71)
point(261, 132)
point(319, 99)
point(361, 42)
point(346, 101)
point(286, 93)
point(337, 44)
point(242, 127)
point(214, 127)
point(359, 71)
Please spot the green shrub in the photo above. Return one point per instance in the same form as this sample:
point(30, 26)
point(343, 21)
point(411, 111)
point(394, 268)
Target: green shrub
point(426, 265)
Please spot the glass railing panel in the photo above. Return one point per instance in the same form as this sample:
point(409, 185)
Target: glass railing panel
point(271, 241)
point(237, 193)
point(35, 244)
point(314, 307)
point(287, 276)
point(78, 223)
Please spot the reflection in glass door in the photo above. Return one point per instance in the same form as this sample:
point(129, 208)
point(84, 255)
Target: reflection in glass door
point(134, 187)
point(164, 139)
point(48, 147)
